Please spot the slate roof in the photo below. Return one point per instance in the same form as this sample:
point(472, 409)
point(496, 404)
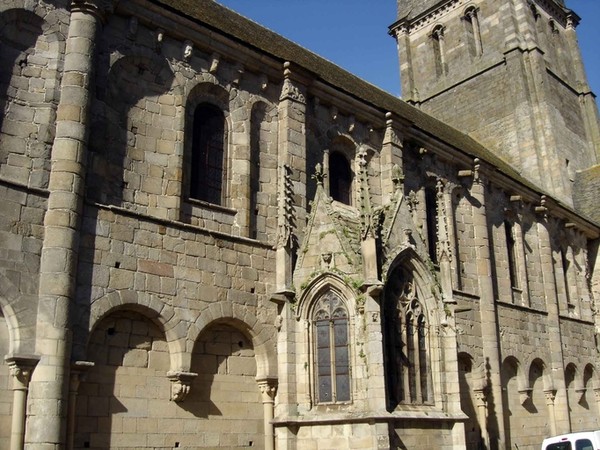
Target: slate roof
point(585, 192)
point(228, 22)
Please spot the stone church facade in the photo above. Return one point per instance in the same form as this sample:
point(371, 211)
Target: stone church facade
point(211, 237)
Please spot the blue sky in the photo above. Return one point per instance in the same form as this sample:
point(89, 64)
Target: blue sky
point(353, 33)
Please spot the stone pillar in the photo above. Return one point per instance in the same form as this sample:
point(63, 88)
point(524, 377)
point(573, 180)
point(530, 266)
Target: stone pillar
point(21, 368)
point(555, 349)
point(489, 324)
point(374, 347)
point(268, 389)
point(550, 396)
point(391, 157)
point(597, 397)
point(58, 269)
point(292, 178)
point(78, 372)
point(481, 403)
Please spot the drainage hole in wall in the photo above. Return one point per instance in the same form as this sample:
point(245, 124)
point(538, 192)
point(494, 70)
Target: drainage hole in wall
point(117, 265)
point(241, 344)
point(110, 331)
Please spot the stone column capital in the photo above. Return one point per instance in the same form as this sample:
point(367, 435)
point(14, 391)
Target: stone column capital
point(480, 395)
point(101, 9)
point(181, 383)
point(550, 395)
point(21, 367)
point(268, 389)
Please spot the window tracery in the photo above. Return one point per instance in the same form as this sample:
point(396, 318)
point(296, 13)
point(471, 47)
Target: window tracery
point(331, 349)
point(407, 348)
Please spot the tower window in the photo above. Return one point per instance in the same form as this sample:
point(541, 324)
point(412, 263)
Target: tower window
point(208, 152)
point(332, 367)
point(340, 178)
point(473, 32)
point(437, 39)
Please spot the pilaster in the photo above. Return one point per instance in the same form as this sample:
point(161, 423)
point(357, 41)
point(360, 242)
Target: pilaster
point(553, 321)
point(489, 321)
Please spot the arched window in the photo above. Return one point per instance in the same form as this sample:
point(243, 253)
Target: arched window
point(437, 39)
point(431, 211)
point(408, 370)
point(512, 254)
point(208, 152)
point(331, 350)
point(473, 32)
point(340, 178)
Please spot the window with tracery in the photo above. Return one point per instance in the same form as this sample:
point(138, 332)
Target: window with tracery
point(340, 178)
point(408, 370)
point(331, 350)
point(208, 152)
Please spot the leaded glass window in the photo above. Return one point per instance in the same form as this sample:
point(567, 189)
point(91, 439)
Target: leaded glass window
point(208, 152)
point(332, 367)
point(408, 370)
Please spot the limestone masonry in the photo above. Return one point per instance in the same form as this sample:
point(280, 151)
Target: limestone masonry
point(212, 238)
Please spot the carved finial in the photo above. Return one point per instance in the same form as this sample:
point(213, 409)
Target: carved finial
point(319, 175)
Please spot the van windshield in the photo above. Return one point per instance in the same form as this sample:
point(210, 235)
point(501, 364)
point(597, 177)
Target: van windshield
point(559, 446)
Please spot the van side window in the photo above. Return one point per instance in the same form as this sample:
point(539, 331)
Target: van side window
point(560, 446)
point(583, 444)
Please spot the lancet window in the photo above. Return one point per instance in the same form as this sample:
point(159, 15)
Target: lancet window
point(407, 344)
point(331, 350)
point(208, 153)
point(340, 178)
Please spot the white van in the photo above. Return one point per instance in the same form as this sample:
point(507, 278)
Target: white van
point(586, 440)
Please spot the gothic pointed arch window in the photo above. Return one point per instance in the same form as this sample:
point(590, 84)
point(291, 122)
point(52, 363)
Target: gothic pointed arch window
point(408, 370)
point(208, 154)
point(340, 178)
point(330, 329)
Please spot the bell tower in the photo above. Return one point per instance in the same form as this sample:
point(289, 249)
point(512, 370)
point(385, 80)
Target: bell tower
point(508, 73)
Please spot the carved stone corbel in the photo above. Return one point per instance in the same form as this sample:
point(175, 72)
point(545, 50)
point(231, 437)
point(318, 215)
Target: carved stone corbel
point(525, 395)
point(180, 384)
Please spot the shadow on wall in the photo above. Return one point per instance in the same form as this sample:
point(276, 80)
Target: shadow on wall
point(125, 398)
